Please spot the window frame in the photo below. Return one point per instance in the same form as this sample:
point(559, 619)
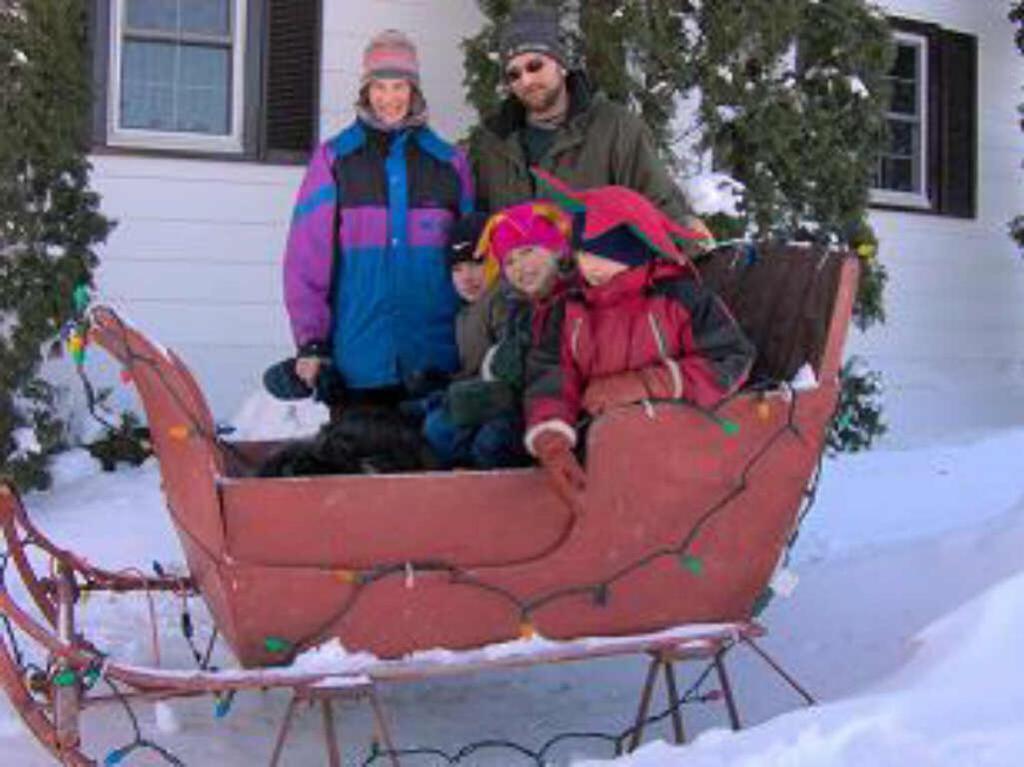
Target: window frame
point(920, 198)
point(230, 143)
point(954, 115)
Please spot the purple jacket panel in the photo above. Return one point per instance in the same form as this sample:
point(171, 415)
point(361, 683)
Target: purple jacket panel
point(308, 259)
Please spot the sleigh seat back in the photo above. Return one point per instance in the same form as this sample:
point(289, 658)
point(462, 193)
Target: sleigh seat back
point(785, 299)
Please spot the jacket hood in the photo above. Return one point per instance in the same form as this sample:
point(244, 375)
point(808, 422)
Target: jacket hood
point(601, 210)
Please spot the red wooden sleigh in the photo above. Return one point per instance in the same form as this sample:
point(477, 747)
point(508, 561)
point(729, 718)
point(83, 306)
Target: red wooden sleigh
point(687, 513)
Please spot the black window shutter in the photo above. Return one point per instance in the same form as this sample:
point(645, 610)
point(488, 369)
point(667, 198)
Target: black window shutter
point(291, 77)
point(97, 20)
point(957, 63)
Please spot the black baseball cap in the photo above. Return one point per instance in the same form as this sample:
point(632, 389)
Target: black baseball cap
point(464, 236)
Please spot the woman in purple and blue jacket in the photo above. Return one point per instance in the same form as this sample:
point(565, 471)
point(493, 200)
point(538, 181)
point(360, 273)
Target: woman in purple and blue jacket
point(366, 283)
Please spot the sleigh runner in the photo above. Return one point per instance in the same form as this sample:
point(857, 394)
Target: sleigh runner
point(685, 517)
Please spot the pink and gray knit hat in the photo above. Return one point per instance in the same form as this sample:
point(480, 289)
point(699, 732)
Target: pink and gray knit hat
point(391, 54)
point(530, 223)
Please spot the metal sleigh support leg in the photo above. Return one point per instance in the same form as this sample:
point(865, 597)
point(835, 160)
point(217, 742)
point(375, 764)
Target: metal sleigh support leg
point(723, 680)
point(67, 698)
point(780, 671)
point(665, 661)
point(659, 662)
point(325, 694)
point(673, 698)
point(286, 725)
point(645, 702)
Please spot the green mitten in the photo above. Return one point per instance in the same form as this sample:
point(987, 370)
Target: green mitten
point(475, 401)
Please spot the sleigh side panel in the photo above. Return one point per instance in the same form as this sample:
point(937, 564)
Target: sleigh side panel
point(350, 522)
point(684, 523)
point(663, 542)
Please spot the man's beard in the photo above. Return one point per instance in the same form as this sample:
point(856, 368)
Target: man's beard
point(545, 101)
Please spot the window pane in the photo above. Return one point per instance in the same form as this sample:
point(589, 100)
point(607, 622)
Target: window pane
point(904, 97)
point(147, 86)
point(203, 90)
point(898, 174)
point(169, 87)
point(900, 167)
point(903, 138)
point(195, 16)
point(152, 14)
point(210, 17)
point(905, 66)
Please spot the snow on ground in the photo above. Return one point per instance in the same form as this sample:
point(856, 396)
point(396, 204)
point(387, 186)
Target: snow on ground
point(952, 704)
point(906, 624)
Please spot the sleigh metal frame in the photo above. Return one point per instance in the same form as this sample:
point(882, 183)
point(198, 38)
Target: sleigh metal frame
point(504, 580)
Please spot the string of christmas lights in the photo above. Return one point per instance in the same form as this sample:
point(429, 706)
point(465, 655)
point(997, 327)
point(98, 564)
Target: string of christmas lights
point(539, 756)
point(600, 591)
point(138, 742)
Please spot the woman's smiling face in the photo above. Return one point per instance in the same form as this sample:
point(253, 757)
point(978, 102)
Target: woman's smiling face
point(390, 99)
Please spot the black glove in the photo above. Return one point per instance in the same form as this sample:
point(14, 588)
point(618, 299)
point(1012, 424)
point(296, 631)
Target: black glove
point(330, 385)
point(281, 380)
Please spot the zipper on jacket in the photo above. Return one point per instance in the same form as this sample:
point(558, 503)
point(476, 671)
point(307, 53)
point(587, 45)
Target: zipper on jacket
point(659, 336)
point(574, 339)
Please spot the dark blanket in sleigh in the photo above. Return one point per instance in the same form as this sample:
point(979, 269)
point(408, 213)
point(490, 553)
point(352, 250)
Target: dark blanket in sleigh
point(365, 439)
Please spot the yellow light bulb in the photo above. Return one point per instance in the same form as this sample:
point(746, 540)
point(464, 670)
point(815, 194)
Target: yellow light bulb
point(179, 432)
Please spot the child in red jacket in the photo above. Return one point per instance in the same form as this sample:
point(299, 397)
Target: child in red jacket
point(640, 326)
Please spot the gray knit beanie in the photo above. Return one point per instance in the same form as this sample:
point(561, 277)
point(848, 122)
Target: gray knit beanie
point(532, 29)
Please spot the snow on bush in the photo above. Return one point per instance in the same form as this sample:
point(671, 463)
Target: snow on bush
point(714, 193)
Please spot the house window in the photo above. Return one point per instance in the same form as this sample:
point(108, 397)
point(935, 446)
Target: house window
point(929, 162)
point(206, 77)
point(177, 74)
point(901, 175)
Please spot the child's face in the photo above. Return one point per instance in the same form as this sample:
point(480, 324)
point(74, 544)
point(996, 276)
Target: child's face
point(469, 280)
point(532, 270)
point(597, 270)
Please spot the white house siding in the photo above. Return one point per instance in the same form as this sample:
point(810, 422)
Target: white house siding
point(952, 350)
point(195, 257)
point(195, 260)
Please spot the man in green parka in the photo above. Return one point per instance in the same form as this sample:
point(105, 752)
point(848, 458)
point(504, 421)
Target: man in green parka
point(552, 120)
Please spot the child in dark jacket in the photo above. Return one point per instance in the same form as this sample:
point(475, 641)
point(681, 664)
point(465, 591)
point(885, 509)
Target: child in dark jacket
point(639, 326)
point(472, 423)
point(484, 302)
